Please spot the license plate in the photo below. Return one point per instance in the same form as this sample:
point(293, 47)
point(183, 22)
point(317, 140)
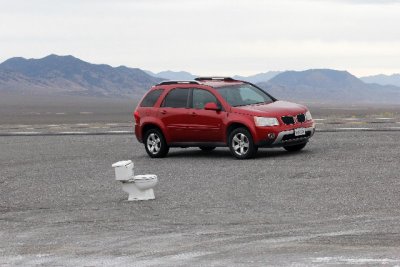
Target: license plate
point(299, 131)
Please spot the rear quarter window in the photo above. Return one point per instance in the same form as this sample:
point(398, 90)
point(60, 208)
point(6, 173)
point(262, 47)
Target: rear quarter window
point(151, 98)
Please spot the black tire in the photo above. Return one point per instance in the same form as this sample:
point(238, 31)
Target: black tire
point(207, 148)
point(241, 144)
point(155, 144)
point(295, 147)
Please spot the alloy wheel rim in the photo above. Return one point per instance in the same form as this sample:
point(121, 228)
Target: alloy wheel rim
point(240, 144)
point(153, 143)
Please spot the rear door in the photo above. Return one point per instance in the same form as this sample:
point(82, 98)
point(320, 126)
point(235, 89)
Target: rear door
point(173, 113)
point(205, 125)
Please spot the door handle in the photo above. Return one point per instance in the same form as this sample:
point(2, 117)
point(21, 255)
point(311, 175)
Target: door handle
point(194, 113)
point(163, 112)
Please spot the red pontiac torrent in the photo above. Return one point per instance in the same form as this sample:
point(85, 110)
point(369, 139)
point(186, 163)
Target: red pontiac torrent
point(212, 112)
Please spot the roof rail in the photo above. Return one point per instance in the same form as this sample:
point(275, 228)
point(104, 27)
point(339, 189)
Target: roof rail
point(225, 79)
point(178, 82)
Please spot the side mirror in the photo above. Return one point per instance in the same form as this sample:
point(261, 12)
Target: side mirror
point(211, 106)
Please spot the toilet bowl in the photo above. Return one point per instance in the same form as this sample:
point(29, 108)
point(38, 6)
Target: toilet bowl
point(140, 187)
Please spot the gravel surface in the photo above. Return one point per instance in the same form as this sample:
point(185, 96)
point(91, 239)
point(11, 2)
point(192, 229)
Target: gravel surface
point(335, 203)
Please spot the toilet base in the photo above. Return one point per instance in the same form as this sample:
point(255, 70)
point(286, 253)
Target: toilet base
point(136, 194)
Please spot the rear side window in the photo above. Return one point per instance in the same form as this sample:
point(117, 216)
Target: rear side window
point(151, 98)
point(176, 98)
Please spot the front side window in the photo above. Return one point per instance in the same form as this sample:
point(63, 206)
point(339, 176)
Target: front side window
point(151, 98)
point(202, 97)
point(176, 98)
point(243, 95)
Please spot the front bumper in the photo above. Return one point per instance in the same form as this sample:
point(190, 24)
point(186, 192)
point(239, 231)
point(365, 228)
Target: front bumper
point(288, 138)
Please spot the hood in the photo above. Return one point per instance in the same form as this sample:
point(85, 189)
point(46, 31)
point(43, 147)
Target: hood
point(274, 109)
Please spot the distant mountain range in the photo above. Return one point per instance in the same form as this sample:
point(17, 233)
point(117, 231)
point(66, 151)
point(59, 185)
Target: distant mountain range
point(326, 85)
point(260, 77)
point(383, 79)
point(173, 75)
point(184, 75)
point(67, 75)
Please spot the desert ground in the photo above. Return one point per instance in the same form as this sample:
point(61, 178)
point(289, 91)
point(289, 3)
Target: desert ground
point(334, 203)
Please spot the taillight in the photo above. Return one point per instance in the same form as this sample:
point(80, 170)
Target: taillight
point(137, 117)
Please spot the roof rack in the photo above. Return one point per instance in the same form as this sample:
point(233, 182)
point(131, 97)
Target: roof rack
point(225, 79)
point(175, 82)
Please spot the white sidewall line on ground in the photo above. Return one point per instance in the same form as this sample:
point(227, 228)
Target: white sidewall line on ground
point(63, 133)
point(357, 261)
point(359, 129)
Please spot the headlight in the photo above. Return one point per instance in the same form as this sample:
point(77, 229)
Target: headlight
point(264, 121)
point(308, 116)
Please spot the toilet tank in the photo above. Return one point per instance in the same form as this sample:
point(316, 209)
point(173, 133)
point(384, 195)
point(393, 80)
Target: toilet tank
point(123, 170)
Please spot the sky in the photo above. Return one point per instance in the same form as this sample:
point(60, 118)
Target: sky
point(208, 37)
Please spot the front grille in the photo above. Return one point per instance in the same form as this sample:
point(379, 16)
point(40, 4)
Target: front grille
point(288, 120)
point(290, 137)
point(301, 118)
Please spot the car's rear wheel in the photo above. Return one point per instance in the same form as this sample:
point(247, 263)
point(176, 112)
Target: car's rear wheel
point(241, 144)
point(207, 148)
point(295, 147)
point(155, 144)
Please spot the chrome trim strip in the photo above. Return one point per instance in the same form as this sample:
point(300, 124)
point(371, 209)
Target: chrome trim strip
point(278, 139)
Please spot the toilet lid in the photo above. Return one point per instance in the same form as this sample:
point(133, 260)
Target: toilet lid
point(145, 177)
point(122, 163)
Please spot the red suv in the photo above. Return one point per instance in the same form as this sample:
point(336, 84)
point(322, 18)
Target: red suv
point(212, 112)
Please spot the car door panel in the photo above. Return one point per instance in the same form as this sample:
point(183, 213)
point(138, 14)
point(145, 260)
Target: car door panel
point(205, 125)
point(174, 120)
point(174, 114)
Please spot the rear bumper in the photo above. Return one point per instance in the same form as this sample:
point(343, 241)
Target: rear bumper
point(288, 138)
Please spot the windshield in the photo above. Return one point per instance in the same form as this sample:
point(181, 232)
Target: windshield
point(243, 95)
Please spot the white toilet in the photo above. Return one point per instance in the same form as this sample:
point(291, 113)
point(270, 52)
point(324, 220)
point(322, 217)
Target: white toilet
point(139, 187)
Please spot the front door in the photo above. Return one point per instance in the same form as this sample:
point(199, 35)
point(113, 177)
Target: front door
point(205, 125)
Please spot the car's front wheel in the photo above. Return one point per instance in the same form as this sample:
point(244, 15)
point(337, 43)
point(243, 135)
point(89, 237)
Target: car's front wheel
point(295, 147)
point(155, 144)
point(241, 144)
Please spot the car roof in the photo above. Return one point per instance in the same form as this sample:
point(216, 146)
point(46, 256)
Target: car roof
point(217, 84)
point(208, 81)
